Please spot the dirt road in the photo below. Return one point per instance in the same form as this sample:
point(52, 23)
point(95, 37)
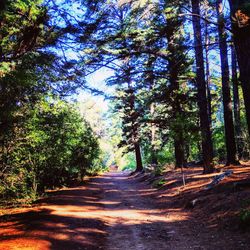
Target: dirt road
point(112, 212)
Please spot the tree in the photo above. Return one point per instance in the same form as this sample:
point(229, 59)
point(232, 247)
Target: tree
point(207, 146)
point(31, 70)
point(126, 104)
point(208, 73)
point(240, 12)
point(227, 103)
point(236, 102)
point(177, 67)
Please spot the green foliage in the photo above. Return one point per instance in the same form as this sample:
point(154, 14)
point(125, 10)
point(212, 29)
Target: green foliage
point(22, 29)
point(53, 147)
point(219, 142)
point(129, 162)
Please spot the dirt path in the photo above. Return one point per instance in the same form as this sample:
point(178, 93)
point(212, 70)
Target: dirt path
point(112, 212)
point(134, 222)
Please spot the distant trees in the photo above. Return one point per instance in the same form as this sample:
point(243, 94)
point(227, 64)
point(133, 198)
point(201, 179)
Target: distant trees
point(168, 90)
point(156, 38)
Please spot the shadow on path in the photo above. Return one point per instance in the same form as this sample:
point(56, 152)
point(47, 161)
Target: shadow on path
point(113, 212)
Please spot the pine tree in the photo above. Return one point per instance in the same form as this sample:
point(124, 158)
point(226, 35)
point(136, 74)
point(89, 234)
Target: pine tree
point(227, 103)
point(240, 13)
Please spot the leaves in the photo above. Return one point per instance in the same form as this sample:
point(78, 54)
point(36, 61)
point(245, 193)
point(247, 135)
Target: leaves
point(54, 145)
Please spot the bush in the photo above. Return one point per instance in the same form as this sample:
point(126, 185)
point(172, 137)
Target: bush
point(53, 146)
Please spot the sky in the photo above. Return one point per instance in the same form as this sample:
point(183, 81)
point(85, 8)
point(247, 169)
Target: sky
point(97, 81)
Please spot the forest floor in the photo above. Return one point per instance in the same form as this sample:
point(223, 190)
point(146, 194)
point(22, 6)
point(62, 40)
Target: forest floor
point(118, 211)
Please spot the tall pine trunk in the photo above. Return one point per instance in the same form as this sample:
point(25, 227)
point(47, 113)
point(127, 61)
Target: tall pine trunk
point(207, 146)
point(139, 166)
point(179, 150)
point(150, 79)
point(227, 103)
point(240, 13)
point(208, 78)
point(236, 102)
point(135, 132)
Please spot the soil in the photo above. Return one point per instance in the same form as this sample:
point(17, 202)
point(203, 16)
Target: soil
point(119, 211)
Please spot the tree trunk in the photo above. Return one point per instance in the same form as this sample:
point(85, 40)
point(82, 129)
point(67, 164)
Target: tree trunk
point(139, 166)
point(208, 78)
point(176, 108)
point(207, 146)
point(150, 80)
point(175, 101)
point(134, 128)
point(241, 29)
point(227, 103)
point(236, 101)
point(179, 150)
point(154, 160)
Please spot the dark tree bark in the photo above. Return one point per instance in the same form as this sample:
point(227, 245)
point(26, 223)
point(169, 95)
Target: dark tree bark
point(139, 166)
point(240, 12)
point(208, 78)
point(135, 139)
point(179, 150)
point(236, 101)
point(227, 103)
point(207, 146)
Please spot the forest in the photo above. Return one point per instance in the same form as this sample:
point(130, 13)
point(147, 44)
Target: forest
point(177, 93)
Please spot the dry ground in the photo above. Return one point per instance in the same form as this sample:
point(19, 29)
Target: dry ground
point(117, 211)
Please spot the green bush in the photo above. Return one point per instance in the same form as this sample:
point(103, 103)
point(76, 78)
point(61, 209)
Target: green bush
point(53, 146)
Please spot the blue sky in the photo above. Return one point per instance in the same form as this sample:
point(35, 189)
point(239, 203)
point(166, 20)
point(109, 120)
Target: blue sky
point(97, 81)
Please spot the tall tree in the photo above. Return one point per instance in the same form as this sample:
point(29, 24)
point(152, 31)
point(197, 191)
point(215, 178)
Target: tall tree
point(240, 12)
point(227, 103)
point(133, 116)
point(176, 67)
point(126, 104)
point(149, 81)
point(208, 73)
point(207, 146)
point(236, 102)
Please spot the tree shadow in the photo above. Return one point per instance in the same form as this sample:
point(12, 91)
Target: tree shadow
point(62, 232)
point(87, 217)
